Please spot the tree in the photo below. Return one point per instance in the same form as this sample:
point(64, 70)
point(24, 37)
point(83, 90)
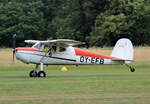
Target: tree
point(106, 29)
point(98, 22)
point(123, 19)
point(77, 18)
point(21, 19)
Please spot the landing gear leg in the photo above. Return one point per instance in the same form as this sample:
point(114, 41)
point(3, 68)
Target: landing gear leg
point(132, 69)
point(33, 73)
point(41, 73)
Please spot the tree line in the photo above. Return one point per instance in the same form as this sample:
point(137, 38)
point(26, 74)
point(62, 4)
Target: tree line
point(97, 22)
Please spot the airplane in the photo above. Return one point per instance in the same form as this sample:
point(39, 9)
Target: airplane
point(63, 52)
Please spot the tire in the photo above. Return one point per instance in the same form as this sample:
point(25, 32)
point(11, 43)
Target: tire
point(33, 73)
point(41, 74)
point(132, 69)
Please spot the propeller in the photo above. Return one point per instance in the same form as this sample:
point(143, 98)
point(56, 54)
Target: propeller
point(14, 46)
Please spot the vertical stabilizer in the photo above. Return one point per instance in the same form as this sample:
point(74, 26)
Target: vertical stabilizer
point(123, 49)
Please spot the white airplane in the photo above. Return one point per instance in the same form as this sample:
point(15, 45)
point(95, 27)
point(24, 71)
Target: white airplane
point(62, 52)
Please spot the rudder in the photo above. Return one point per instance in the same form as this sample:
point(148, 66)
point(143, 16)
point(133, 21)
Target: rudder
point(123, 49)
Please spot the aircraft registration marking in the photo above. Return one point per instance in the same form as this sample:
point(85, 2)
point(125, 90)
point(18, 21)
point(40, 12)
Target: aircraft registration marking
point(92, 60)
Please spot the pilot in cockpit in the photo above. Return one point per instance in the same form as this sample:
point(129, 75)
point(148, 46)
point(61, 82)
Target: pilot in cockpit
point(50, 49)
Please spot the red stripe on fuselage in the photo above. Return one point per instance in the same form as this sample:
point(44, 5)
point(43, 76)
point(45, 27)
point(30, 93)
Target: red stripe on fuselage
point(28, 49)
point(80, 52)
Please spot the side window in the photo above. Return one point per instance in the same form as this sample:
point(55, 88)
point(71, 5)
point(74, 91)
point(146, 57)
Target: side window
point(46, 48)
point(50, 49)
point(62, 49)
point(53, 49)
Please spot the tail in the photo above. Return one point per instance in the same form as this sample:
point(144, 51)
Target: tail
point(123, 49)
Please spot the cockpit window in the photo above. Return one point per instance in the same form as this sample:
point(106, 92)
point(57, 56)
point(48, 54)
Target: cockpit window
point(50, 49)
point(62, 49)
point(46, 48)
point(38, 46)
point(54, 48)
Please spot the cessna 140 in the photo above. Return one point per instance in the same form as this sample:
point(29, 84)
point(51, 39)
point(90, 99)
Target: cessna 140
point(62, 52)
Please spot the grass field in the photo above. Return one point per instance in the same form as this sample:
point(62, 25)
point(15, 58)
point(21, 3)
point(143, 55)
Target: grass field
point(78, 85)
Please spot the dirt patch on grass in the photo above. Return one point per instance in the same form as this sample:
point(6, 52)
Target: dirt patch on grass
point(142, 54)
point(6, 77)
point(6, 56)
point(86, 96)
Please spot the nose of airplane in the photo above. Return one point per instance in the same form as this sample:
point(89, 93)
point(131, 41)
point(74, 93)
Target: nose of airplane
point(16, 53)
point(22, 56)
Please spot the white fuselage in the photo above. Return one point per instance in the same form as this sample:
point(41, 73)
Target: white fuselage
point(68, 57)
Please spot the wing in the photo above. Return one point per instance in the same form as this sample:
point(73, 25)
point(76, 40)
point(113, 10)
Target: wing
point(60, 42)
point(66, 42)
point(31, 41)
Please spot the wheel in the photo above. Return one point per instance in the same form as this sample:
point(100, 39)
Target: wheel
point(132, 69)
point(33, 73)
point(41, 74)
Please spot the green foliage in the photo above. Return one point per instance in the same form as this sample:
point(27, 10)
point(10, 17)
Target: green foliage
point(22, 19)
point(98, 22)
point(105, 27)
point(128, 19)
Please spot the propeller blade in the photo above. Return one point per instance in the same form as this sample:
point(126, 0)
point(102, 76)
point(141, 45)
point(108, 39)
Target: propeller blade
point(14, 46)
point(14, 41)
point(13, 56)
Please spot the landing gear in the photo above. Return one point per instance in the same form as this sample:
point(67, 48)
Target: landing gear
point(33, 73)
point(41, 73)
point(132, 69)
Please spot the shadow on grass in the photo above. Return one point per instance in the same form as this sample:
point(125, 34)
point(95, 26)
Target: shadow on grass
point(76, 76)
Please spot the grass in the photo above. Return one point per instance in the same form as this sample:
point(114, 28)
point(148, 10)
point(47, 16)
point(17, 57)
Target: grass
point(79, 85)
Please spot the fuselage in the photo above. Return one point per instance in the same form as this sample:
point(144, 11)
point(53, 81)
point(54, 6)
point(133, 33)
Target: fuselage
point(71, 56)
point(62, 52)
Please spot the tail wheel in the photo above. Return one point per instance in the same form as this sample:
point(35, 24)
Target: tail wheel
point(33, 73)
point(41, 74)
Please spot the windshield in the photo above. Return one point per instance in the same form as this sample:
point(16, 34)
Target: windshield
point(38, 46)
